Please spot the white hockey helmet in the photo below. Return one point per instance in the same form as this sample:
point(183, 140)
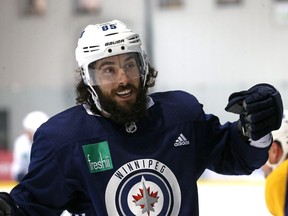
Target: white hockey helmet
point(281, 135)
point(104, 40)
point(33, 120)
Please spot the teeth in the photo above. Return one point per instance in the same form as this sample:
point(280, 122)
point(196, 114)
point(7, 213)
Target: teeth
point(124, 92)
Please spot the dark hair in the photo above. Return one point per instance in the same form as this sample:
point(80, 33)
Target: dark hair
point(83, 95)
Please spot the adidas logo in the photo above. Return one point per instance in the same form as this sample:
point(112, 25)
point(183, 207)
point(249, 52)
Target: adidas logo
point(181, 140)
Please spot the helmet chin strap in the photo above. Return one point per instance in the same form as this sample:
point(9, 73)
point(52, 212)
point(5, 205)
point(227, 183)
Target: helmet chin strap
point(96, 100)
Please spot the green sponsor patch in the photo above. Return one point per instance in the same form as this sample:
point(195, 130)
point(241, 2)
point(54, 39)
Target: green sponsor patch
point(98, 157)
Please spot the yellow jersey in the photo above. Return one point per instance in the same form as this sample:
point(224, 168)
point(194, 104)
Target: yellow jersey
point(276, 191)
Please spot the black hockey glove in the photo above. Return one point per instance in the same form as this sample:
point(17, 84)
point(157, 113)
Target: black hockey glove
point(260, 109)
point(8, 207)
point(5, 209)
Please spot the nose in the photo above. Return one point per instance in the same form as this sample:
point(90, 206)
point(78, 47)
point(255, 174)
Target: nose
point(122, 77)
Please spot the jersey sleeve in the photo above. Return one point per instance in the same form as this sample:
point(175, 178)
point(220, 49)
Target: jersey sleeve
point(226, 150)
point(218, 147)
point(44, 190)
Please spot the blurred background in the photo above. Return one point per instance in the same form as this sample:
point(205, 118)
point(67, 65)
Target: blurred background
point(209, 48)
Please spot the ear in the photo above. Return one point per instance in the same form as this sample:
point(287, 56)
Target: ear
point(275, 153)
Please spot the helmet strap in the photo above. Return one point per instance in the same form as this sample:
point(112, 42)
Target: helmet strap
point(96, 100)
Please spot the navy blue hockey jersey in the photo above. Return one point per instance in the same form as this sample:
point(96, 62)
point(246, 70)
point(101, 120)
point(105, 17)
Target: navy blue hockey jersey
point(93, 167)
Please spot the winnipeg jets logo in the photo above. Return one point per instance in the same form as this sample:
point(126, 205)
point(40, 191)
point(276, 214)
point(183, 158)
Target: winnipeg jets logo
point(146, 199)
point(143, 187)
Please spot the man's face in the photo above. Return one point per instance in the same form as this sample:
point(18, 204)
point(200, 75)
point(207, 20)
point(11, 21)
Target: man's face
point(119, 87)
point(275, 154)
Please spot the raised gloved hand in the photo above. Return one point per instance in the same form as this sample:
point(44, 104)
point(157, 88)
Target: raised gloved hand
point(260, 109)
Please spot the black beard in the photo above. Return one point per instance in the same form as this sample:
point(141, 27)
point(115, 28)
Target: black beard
point(132, 111)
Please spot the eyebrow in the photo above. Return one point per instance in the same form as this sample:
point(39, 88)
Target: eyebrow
point(104, 63)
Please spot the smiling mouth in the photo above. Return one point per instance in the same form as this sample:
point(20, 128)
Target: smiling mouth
point(125, 93)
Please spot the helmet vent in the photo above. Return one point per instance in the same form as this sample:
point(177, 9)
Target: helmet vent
point(111, 34)
point(134, 39)
point(90, 49)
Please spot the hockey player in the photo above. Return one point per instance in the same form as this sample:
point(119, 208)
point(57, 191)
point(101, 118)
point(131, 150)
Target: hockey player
point(276, 182)
point(123, 151)
point(23, 144)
